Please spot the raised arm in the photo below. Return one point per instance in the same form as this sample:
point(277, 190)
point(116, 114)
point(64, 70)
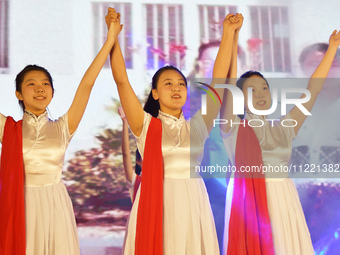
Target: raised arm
point(128, 169)
point(224, 63)
point(317, 80)
point(226, 111)
point(130, 103)
point(76, 111)
point(224, 56)
point(232, 75)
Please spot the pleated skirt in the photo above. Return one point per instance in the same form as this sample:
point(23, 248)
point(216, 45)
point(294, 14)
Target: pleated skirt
point(289, 229)
point(50, 223)
point(188, 223)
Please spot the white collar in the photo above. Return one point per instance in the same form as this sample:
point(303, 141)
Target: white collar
point(31, 118)
point(171, 120)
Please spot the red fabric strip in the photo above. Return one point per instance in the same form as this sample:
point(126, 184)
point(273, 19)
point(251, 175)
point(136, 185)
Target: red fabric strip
point(249, 224)
point(12, 200)
point(149, 232)
point(135, 187)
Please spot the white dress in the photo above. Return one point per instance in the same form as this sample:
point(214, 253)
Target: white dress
point(289, 229)
point(188, 223)
point(50, 223)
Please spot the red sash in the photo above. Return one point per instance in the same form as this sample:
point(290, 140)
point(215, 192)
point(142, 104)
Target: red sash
point(12, 200)
point(149, 232)
point(136, 186)
point(249, 224)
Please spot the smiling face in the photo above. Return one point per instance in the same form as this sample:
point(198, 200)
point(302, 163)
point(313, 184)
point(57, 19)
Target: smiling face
point(36, 92)
point(171, 92)
point(261, 95)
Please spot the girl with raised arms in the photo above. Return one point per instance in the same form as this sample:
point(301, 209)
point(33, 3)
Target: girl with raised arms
point(263, 212)
point(36, 214)
point(171, 213)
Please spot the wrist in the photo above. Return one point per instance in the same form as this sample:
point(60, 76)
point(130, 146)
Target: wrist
point(110, 40)
point(228, 29)
point(333, 45)
point(228, 34)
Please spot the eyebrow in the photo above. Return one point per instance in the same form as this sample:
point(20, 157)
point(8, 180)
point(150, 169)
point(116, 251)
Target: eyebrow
point(251, 85)
point(168, 79)
point(36, 79)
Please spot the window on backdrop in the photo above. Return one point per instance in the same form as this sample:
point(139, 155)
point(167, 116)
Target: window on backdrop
point(211, 21)
point(269, 43)
point(3, 35)
point(100, 30)
point(164, 35)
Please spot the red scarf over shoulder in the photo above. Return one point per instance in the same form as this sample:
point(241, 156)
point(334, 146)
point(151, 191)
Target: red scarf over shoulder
point(249, 224)
point(12, 201)
point(149, 232)
point(136, 186)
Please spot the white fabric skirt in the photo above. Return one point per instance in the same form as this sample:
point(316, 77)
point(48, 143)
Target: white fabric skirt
point(289, 228)
point(50, 223)
point(188, 223)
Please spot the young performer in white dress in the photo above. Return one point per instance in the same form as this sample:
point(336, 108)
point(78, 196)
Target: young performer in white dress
point(289, 232)
point(185, 221)
point(50, 222)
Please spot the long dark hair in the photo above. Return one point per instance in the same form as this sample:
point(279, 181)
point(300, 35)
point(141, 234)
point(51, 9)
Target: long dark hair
point(21, 76)
point(151, 105)
point(138, 165)
point(243, 79)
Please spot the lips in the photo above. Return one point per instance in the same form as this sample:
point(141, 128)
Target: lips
point(261, 103)
point(176, 96)
point(39, 97)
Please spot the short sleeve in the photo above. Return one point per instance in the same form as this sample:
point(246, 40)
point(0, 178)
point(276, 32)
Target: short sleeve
point(225, 135)
point(64, 129)
point(198, 129)
point(288, 126)
point(2, 126)
point(142, 137)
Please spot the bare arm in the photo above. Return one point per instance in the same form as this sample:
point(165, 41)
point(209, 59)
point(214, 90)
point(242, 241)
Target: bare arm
point(3, 120)
point(128, 169)
point(223, 58)
point(130, 103)
point(227, 104)
point(232, 75)
point(76, 111)
point(317, 80)
point(223, 64)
